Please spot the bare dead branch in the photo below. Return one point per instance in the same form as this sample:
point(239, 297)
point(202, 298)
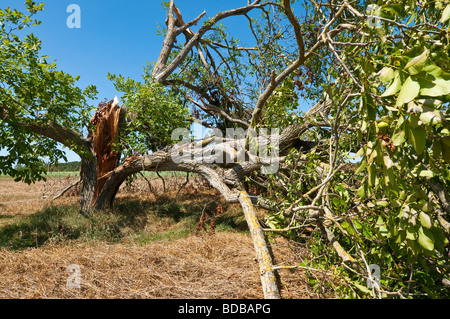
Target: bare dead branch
point(297, 29)
point(186, 26)
point(65, 190)
point(343, 65)
point(211, 108)
point(161, 71)
point(267, 271)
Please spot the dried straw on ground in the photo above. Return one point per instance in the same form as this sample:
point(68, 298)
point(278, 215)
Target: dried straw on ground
point(220, 265)
point(211, 266)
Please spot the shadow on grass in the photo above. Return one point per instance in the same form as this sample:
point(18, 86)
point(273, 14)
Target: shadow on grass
point(129, 220)
point(6, 216)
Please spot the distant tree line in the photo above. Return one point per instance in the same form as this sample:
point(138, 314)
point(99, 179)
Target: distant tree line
point(66, 167)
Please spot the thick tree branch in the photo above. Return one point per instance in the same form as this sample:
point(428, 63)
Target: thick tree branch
point(54, 131)
point(60, 134)
point(297, 29)
point(267, 271)
point(441, 193)
point(185, 26)
point(168, 42)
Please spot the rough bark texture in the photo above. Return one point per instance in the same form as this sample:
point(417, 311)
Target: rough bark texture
point(267, 272)
point(158, 161)
point(221, 176)
point(88, 176)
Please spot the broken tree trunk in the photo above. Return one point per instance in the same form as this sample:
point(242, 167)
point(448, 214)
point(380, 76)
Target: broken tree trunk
point(106, 120)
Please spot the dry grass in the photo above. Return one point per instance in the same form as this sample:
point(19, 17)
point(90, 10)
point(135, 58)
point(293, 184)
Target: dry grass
point(19, 199)
point(219, 265)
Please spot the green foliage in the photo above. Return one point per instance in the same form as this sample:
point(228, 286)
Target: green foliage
point(67, 167)
point(33, 92)
point(412, 122)
point(401, 151)
point(153, 111)
point(385, 211)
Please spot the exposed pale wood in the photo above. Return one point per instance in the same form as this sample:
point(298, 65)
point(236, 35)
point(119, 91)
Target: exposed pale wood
point(106, 121)
point(267, 271)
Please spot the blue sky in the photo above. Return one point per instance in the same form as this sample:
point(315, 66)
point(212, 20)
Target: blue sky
point(116, 36)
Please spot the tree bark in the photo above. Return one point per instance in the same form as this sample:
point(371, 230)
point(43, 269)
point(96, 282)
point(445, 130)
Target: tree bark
point(267, 272)
point(219, 175)
point(88, 176)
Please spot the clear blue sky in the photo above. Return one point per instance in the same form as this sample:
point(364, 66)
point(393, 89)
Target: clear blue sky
point(116, 36)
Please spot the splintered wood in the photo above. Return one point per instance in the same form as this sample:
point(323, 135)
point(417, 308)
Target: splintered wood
point(106, 119)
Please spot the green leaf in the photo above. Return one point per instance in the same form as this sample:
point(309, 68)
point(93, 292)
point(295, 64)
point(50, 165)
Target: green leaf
point(372, 176)
point(434, 70)
point(389, 177)
point(411, 232)
point(382, 228)
point(439, 240)
point(445, 14)
point(401, 236)
point(361, 167)
point(361, 192)
point(427, 173)
point(345, 224)
point(425, 220)
point(446, 152)
point(434, 81)
point(431, 116)
point(409, 91)
point(373, 155)
point(363, 289)
point(431, 103)
point(387, 161)
point(369, 103)
point(387, 74)
point(395, 86)
point(381, 34)
point(415, 248)
point(418, 140)
point(426, 239)
point(437, 149)
point(382, 203)
point(399, 138)
point(416, 65)
point(359, 153)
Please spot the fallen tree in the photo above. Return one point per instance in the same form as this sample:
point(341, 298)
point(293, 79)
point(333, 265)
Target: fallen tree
point(252, 88)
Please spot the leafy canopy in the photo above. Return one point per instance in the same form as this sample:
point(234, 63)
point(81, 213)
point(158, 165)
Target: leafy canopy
point(390, 90)
point(34, 94)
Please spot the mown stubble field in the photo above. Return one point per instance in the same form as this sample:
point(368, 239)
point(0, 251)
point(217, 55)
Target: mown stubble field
point(150, 245)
